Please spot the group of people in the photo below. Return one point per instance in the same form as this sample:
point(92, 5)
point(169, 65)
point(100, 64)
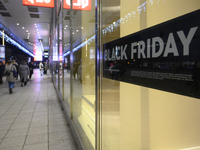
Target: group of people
point(23, 70)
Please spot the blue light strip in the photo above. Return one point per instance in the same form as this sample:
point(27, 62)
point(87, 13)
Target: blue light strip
point(13, 42)
point(116, 24)
point(81, 45)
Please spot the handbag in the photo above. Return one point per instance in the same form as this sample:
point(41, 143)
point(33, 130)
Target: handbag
point(7, 73)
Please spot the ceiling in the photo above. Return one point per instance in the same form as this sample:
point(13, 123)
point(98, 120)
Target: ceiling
point(13, 12)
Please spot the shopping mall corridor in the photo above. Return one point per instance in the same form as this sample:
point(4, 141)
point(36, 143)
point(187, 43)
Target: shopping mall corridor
point(31, 117)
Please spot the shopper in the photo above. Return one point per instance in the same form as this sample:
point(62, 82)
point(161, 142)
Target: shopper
point(1, 71)
point(17, 67)
point(45, 67)
point(31, 67)
point(23, 72)
point(41, 68)
point(9, 75)
point(75, 70)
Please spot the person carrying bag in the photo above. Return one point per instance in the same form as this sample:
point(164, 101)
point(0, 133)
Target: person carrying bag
point(41, 68)
point(9, 69)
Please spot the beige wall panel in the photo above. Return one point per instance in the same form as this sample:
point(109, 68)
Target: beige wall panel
point(166, 10)
point(174, 121)
point(130, 116)
point(131, 23)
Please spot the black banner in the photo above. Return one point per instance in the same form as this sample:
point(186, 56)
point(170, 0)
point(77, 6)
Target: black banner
point(165, 56)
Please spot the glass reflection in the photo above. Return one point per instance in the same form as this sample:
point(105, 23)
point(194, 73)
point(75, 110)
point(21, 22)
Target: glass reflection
point(84, 75)
point(135, 117)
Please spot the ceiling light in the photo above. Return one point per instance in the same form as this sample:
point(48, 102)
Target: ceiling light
point(81, 27)
point(35, 24)
point(26, 30)
point(17, 23)
point(28, 33)
point(65, 28)
point(23, 28)
point(73, 33)
point(66, 25)
point(76, 30)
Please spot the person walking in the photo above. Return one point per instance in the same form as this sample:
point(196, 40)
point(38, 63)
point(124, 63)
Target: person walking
point(41, 68)
point(45, 67)
point(2, 67)
point(31, 67)
point(10, 78)
point(75, 70)
point(17, 67)
point(23, 72)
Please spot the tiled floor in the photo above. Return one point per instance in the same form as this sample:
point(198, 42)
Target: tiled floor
point(31, 117)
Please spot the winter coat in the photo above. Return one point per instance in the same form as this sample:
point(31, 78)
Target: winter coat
point(24, 71)
point(40, 66)
point(45, 67)
point(10, 69)
point(31, 67)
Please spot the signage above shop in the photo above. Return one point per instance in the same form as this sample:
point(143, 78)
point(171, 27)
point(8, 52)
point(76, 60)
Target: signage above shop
point(78, 4)
point(39, 3)
point(160, 57)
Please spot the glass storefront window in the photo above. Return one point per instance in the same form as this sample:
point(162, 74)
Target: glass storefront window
point(60, 57)
point(133, 116)
point(55, 58)
point(66, 50)
point(83, 32)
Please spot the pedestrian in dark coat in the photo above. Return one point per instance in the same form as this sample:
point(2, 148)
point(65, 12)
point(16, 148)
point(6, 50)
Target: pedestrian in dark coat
point(45, 67)
point(31, 67)
point(10, 78)
point(2, 67)
point(24, 72)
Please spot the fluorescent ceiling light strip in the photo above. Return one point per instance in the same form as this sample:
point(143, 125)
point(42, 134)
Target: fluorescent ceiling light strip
point(81, 45)
point(67, 53)
point(12, 36)
point(11, 41)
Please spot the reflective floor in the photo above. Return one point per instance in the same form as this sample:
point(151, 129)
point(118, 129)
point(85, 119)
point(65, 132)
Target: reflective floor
point(31, 117)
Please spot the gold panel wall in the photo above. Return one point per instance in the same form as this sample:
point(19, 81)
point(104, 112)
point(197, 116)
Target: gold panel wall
point(136, 117)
